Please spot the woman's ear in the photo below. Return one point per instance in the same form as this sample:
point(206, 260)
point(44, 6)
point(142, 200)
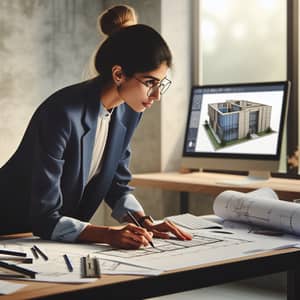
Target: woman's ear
point(117, 75)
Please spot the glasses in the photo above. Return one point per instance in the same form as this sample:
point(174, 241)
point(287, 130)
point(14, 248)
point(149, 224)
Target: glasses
point(162, 86)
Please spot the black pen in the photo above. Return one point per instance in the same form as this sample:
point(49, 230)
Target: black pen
point(23, 260)
point(12, 252)
point(136, 222)
point(68, 262)
point(40, 252)
point(34, 252)
point(18, 269)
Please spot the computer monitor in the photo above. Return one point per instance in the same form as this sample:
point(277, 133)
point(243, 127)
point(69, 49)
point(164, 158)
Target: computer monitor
point(236, 127)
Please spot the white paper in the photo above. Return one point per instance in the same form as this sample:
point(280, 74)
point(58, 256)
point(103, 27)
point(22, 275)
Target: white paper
point(55, 268)
point(114, 267)
point(207, 246)
point(259, 208)
point(7, 287)
point(193, 222)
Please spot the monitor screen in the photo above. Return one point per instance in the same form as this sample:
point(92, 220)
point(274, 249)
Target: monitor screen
point(236, 121)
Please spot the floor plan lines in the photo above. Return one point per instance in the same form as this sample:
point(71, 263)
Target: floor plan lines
point(263, 211)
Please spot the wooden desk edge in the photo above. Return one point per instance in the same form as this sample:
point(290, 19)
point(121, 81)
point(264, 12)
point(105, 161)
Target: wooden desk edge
point(109, 282)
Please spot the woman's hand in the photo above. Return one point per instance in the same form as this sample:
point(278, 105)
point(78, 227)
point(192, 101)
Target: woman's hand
point(161, 230)
point(128, 237)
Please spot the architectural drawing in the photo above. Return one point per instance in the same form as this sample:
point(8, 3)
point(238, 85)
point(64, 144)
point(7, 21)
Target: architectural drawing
point(238, 119)
point(162, 246)
point(207, 246)
point(259, 210)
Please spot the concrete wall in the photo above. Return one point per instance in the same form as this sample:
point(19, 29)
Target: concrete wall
point(44, 45)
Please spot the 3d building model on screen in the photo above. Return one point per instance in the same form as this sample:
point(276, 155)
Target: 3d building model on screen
point(237, 120)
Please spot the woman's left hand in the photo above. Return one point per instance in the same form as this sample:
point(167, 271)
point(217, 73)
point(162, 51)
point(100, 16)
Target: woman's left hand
point(161, 230)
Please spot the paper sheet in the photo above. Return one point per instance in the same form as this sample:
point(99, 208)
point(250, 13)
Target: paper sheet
point(260, 207)
point(7, 287)
point(193, 222)
point(233, 240)
point(207, 246)
point(55, 268)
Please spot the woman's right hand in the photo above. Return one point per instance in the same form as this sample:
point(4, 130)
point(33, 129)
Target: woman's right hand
point(128, 236)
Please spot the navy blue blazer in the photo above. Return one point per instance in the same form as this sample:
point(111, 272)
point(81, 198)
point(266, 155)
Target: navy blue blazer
point(46, 178)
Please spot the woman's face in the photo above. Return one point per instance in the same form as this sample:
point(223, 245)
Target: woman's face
point(139, 91)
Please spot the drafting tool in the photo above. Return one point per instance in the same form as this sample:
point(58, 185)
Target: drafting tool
point(90, 267)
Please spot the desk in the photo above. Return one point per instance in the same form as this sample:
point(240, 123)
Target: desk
point(204, 182)
point(134, 287)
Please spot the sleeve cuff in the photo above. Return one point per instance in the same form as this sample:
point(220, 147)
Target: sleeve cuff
point(127, 202)
point(68, 229)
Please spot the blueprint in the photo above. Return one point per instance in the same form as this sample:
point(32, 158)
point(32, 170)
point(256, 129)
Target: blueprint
point(261, 207)
point(235, 213)
point(207, 246)
point(190, 221)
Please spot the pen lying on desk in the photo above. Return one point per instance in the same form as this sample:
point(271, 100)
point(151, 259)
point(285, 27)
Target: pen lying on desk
point(40, 252)
point(12, 252)
point(22, 260)
point(136, 222)
point(68, 262)
point(18, 269)
point(34, 252)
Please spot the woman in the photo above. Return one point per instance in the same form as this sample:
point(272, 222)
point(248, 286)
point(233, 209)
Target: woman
point(76, 149)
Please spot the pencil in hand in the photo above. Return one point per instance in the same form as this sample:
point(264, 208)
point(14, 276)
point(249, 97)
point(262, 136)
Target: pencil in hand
point(136, 222)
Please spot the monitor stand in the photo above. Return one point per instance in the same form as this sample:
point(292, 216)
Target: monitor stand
point(252, 178)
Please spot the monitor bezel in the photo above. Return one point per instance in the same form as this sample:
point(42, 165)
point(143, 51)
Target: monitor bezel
point(241, 156)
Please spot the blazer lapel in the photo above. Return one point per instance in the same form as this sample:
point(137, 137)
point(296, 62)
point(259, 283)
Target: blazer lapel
point(98, 186)
point(114, 145)
point(90, 125)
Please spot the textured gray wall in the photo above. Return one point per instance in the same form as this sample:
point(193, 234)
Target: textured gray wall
point(44, 45)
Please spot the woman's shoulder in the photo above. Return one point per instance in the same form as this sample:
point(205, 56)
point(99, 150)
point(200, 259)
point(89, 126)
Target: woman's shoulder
point(74, 96)
point(77, 91)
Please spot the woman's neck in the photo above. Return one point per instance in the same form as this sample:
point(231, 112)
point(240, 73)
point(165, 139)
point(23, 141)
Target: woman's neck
point(110, 97)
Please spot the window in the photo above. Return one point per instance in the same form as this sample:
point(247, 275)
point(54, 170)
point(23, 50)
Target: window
point(241, 40)
point(249, 41)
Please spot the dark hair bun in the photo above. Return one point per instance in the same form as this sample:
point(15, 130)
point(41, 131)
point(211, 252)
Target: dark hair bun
point(115, 18)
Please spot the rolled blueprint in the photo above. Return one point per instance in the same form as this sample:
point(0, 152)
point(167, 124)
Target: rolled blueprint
point(261, 207)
